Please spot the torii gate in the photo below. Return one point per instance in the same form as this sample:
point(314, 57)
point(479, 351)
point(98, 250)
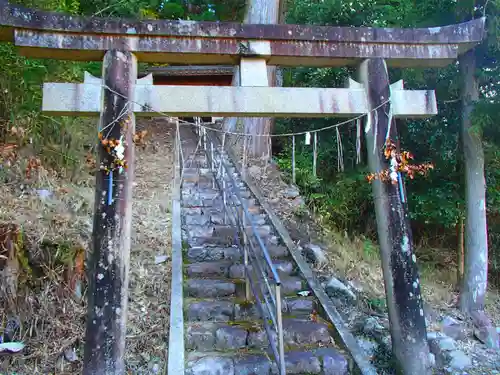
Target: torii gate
point(121, 43)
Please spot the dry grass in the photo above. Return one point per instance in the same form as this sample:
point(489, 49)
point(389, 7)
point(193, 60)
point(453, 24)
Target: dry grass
point(357, 259)
point(51, 321)
point(149, 307)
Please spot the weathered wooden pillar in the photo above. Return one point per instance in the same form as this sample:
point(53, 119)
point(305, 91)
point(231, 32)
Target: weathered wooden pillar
point(109, 262)
point(402, 283)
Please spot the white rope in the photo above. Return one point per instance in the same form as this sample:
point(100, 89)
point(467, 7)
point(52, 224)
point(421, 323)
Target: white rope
point(183, 122)
point(358, 141)
point(340, 152)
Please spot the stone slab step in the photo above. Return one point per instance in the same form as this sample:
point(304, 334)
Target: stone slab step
point(232, 270)
point(217, 218)
point(216, 253)
point(277, 251)
point(212, 230)
point(189, 202)
point(215, 241)
point(221, 336)
point(205, 250)
point(198, 171)
point(254, 210)
point(225, 237)
point(283, 267)
point(300, 306)
point(209, 191)
point(290, 285)
point(324, 361)
point(207, 231)
point(195, 175)
point(209, 269)
point(210, 288)
point(199, 193)
point(296, 333)
point(225, 310)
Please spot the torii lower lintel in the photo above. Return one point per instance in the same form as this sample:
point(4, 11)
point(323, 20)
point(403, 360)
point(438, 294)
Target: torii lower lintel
point(85, 99)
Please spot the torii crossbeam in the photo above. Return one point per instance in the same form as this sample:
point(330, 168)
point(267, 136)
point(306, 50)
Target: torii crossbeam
point(51, 35)
point(121, 43)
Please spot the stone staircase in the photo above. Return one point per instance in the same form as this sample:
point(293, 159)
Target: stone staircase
point(224, 333)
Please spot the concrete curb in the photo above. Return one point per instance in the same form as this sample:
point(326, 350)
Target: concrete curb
point(175, 360)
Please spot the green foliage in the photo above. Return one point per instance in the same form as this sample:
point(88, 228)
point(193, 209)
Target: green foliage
point(436, 202)
point(342, 198)
point(58, 141)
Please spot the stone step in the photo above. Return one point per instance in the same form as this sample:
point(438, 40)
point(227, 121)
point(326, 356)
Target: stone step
point(215, 336)
point(300, 306)
point(209, 269)
point(208, 191)
point(208, 254)
point(214, 230)
point(291, 285)
point(201, 231)
point(216, 253)
point(283, 267)
point(253, 210)
point(203, 195)
point(195, 175)
point(277, 251)
point(214, 218)
point(198, 171)
point(192, 202)
point(223, 236)
point(225, 310)
point(323, 361)
point(228, 240)
point(211, 288)
point(232, 270)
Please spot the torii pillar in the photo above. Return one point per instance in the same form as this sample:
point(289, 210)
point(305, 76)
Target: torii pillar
point(109, 264)
point(401, 278)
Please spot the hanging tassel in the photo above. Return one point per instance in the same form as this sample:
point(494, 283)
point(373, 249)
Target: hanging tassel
point(375, 131)
point(293, 160)
point(401, 188)
point(358, 141)
point(110, 188)
point(338, 148)
point(315, 154)
point(308, 138)
point(244, 162)
point(340, 152)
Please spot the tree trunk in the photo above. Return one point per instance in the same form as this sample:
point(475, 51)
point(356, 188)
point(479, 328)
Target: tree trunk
point(474, 283)
point(262, 12)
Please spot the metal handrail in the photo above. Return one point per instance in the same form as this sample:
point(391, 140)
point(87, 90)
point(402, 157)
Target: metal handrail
point(266, 291)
